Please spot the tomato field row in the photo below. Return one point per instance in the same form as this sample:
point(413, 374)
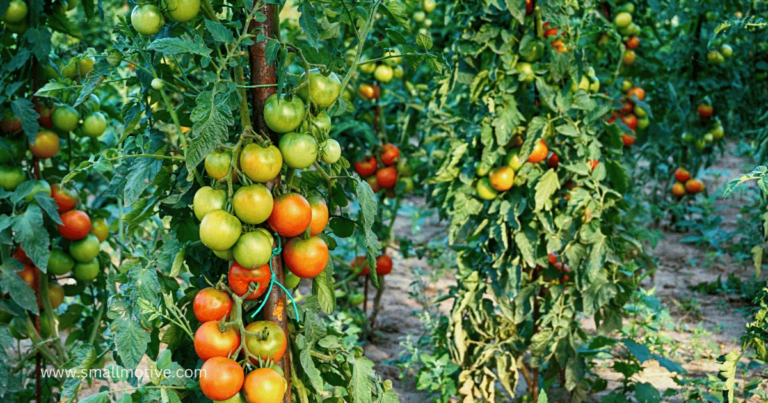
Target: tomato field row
point(219, 186)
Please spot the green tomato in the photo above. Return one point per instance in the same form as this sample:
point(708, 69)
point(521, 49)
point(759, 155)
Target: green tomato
point(428, 6)
point(60, 7)
point(594, 84)
point(93, 103)
point(208, 199)
point(687, 137)
point(86, 249)
point(367, 68)
point(583, 84)
point(252, 250)
point(182, 10)
point(252, 204)
point(700, 144)
point(291, 280)
point(393, 61)
point(716, 58)
point(626, 85)
point(419, 16)
point(727, 51)
point(526, 72)
point(11, 177)
point(709, 138)
point(356, 298)
point(282, 115)
point(623, 19)
point(157, 84)
point(427, 23)
point(220, 230)
point(16, 13)
point(383, 73)
point(323, 90)
point(299, 150)
point(147, 19)
point(84, 272)
point(398, 72)
point(71, 4)
point(331, 151)
point(227, 255)
point(533, 51)
point(19, 28)
point(512, 159)
point(640, 112)
point(65, 118)
point(643, 123)
point(114, 57)
point(94, 125)
point(484, 189)
point(60, 262)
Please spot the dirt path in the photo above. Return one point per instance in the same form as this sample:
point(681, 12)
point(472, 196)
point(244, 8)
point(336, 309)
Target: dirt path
point(701, 326)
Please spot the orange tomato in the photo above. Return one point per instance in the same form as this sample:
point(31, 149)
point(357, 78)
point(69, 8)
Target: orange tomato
point(678, 189)
point(210, 342)
point(306, 258)
point(76, 225)
point(46, 144)
point(390, 154)
point(694, 186)
point(638, 92)
point(221, 378)
point(211, 304)
point(374, 184)
point(240, 278)
point(264, 385)
point(539, 152)
point(633, 42)
point(627, 139)
point(502, 178)
point(291, 214)
point(319, 215)
point(386, 177)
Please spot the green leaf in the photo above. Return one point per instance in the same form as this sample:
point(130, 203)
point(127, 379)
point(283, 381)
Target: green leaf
point(61, 23)
point(640, 351)
point(547, 185)
point(49, 206)
point(93, 79)
point(323, 290)
point(424, 42)
point(618, 176)
point(342, 228)
point(102, 397)
point(140, 175)
point(397, 12)
point(21, 293)
point(51, 89)
point(728, 372)
point(315, 377)
point(542, 397)
point(210, 118)
point(525, 241)
point(507, 118)
point(32, 236)
point(361, 383)
point(131, 340)
point(670, 365)
point(309, 23)
point(517, 9)
point(367, 216)
point(39, 41)
point(182, 44)
point(219, 32)
point(646, 393)
point(82, 357)
point(25, 109)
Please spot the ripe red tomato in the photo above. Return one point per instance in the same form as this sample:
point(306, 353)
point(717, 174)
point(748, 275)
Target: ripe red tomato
point(240, 278)
point(553, 161)
point(10, 123)
point(21, 256)
point(682, 175)
point(387, 177)
point(306, 258)
point(552, 258)
point(221, 378)
point(390, 154)
point(291, 214)
point(366, 167)
point(628, 139)
point(638, 92)
point(383, 265)
point(613, 117)
point(694, 186)
point(46, 144)
point(211, 304)
point(210, 342)
point(269, 343)
point(705, 110)
point(529, 7)
point(76, 225)
point(633, 42)
point(264, 385)
point(630, 120)
point(678, 189)
point(319, 215)
point(593, 164)
point(539, 152)
point(371, 180)
point(65, 198)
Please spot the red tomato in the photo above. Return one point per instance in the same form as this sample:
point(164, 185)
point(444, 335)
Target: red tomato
point(221, 378)
point(21, 256)
point(387, 177)
point(359, 261)
point(319, 215)
point(539, 152)
point(682, 175)
point(705, 110)
point(630, 120)
point(306, 258)
point(633, 42)
point(291, 214)
point(77, 225)
point(593, 164)
point(65, 199)
point(553, 161)
point(210, 342)
point(371, 180)
point(211, 304)
point(383, 265)
point(240, 278)
point(694, 186)
point(627, 139)
point(366, 167)
point(390, 154)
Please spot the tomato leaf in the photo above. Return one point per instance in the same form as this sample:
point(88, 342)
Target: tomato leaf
point(219, 32)
point(25, 109)
point(81, 357)
point(131, 340)
point(10, 282)
point(180, 45)
point(322, 288)
point(49, 206)
point(517, 9)
point(39, 41)
point(140, 175)
point(308, 365)
point(309, 23)
point(32, 236)
point(93, 79)
point(547, 185)
point(397, 12)
point(367, 216)
point(508, 117)
point(361, 383)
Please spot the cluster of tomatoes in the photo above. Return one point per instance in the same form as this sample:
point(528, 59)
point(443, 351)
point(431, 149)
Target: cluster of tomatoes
point(384, 171)
point(715, 132)
point(494, 180)
point(421, 16)
point(634, 116)
point(148, 19)
point(383, 73)
point(685, 185)
point(15, 17)
point(630, 31)
point(720, 55)
point(218, 344)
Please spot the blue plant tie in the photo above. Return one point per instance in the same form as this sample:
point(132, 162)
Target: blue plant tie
point(273, 280)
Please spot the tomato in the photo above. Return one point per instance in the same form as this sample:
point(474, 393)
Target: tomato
point(85, 250)
point(593, 164)
point(687, 137)
point(387, 177)
point(705, 110)
point(65, 118)
point(19, 28)
point(60, 262)
point(70, 70)
point(368, 91)
point(533, 51)
point(225, 254)
point(633, 42)
point(86, 271)
point(211, 304)
point(715, 58)
point(240, 278)
point(643, 123)
point(21, 256)
point(525, 71)
point(484, 189)
point(383, 73)
point(291, 280)
point(322, 90)
point(283, 115)
point(360, 261)
point(622, 19)
point(321, 124)
point(727, 51)
point(261, 164)
point(94, 125)
point(627, 139)
point(306, 258)
point(639, 112)
point(560, 46)
point(374, 184)
point(264, 385)
point(65, 198)
point(75, 225)
point(638, 92)
point(93, 103)
point(628, 107)
point(330, 151)
point(398, 72)
point(291, 215)
point(626, 85)
point(418, 16)
point(221, 378)
point(115, 57)
point(629, 58)
point(269, 343)
point(252, 204)
point(147, 19)
point(220, 230)
point(46, 144)
point(319, 215)
point(583, 84)
point(678, 189)
point(718, 132)
point(181, 10)
point(11, 177)
point(512, 159)
point(100, 229)
point(553, 161)
point(45, 119)
point(594, 84)
point(390, 154)
point(253, 249)
point(383, 265)
point(393, 60)
point(10, 123)
point(299, 150)
point(539, 153)
point(55, 294)
point(694, 186)
point(366, 167)
point(17, 12)
point(27, 274)
point(502, 178)
point(211, 342)
point(208, 199)
point(428, 6)
point(217, 163)
point(630, 120)
point(38, 187)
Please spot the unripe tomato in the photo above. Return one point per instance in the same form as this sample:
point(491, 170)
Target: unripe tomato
point(356, 298)
point(374, 184)
point(261, 164)
point(240, 278)
point(252, 204)
point(533, 51)
point(291, 215)
point(643, 123)
point(366, 167)
point(321, 124)
point(502, 178)
point(283, 115)
point(623, 19)
point(639, 112)
point(330, 151)
point(46, 144)
point(11, 177)
point(208, 199)
point(682, 175)
point(539, 152)
point(147, 19)
point(268, 343)
point(319, 215)
point(387, 177)
point(322, 90)
point(428, 6)
point(211, 342)
point(306, 258)
point(217, 163)
point(694, 186)
point(715, 58)
point(86, 249)
point(390, 154)
point(398, 72)
point(60, 263)
point(100, 229)
point(383, 265)
point(512, 159)
point(94, 125)
point(264, 385)
point(221, 378)
point(408, 184)
point(629, 58)
point(114, 57)
point(484, 189)
point(638, 92)
point(583, 84)
point(227, 255)
point(626, 85)
point(55, 295)
point(727, 51)
point(678, 189)
point(253, 249)
point(383, 73)
point(16, 12)
point(85, 65)
point(687, 137)
point(366, 68)
point(65, 118)
point(182, 10)
point(157, 84)
point(299, 150)
point(418, 16)
point(220, 230)
point(525, 70)
point(75, 225)
point(84, 272)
